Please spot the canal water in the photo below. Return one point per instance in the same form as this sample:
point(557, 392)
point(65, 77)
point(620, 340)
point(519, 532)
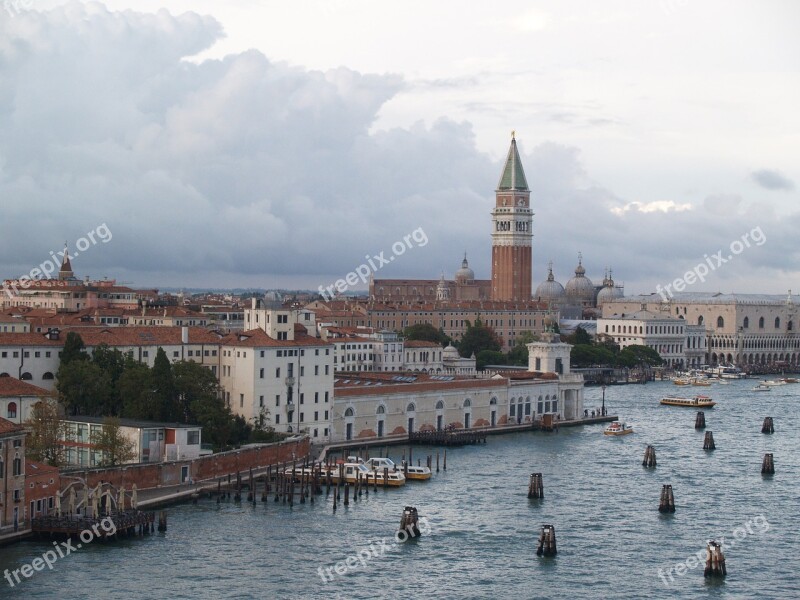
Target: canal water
point(612, 541)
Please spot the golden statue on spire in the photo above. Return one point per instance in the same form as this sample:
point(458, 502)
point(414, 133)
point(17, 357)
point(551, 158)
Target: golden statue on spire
point(513, 133)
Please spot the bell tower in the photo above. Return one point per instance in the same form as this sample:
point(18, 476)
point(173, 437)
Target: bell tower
point(512, 236)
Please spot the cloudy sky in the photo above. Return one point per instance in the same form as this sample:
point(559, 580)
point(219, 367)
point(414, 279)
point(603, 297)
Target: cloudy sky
point(275, 144)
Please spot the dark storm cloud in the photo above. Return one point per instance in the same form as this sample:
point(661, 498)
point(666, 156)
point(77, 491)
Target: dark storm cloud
point(772, 180)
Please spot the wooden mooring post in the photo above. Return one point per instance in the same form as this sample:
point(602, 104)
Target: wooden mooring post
point(708, 442)
point(700, 421)
point(444, 465)
point(437, 461)
point(715, 561)
point(768, 466)
point(162, 521)
point(649, 457)
point(536, 486)
point(767, 427)
point(667, 503)
point(547, 541)
point(346, 494)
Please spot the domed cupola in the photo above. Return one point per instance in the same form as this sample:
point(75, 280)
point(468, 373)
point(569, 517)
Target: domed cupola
point(465, 274)
point(610, 291)
point(550, 290)
point(580, 289)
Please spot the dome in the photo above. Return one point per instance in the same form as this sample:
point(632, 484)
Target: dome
point(550, 289)
point(465, 274)
point(610, 291)
point(580, 288)
point(450, 353)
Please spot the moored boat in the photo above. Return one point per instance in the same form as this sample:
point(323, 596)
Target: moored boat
point(702, 382)
point(695, 402)
point(416, 472)
point(774, 382)
point(682, 381)
point(790, 380)
point(618, 428)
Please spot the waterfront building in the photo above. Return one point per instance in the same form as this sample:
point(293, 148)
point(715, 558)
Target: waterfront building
point(661, 332)
point(746, 330)
point(283, 383)
point(12, 476)
point(375, 405)
point(152, 441)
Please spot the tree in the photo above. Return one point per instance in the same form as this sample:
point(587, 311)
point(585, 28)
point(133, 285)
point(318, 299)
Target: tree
point(46, 432)
point(164, 389)
point(73, 350)
point(136, 392)
point(489, 357)
point(476, 338)
point(117, 449)
point(518, 355)
point(581, 336)
point(84, 388)
point(634, 355)
point(112, 363)
point(427, 333)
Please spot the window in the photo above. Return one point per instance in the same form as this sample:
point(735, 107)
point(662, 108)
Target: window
point(326, 397)
point(316, 397)
point(349, 412)
point(302, 371)
point(761, 323)
point(17, 466)
point(326, 369)
point(302, 398)
point(175, 354)
point(277, 419)
point(326, 418)
point(262, 354)
point(145, 353)
point(261, 401)
point(241, 400)
point(316, 369)
point(261, 373)
point(193, 438)
point(746, 322)
point(278, 400)
point(277, 372)
point(12, 410)
point(302, 417)
point(777, 322)
point(411, 407)
point(721, 322)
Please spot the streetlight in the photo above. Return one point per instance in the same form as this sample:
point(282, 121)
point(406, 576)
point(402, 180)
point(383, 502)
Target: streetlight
point(603, 410)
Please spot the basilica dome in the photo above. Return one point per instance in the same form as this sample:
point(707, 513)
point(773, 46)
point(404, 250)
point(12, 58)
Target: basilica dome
point(580, 289)
point(550, 290)
point(465, 274)
point(610, 291)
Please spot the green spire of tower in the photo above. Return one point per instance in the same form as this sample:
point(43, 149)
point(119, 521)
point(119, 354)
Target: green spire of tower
point(513, 177)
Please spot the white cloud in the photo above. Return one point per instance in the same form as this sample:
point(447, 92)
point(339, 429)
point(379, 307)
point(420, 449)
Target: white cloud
point(663, 206)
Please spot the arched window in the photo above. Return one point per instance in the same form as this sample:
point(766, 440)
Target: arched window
point(381, 410)
point(439, 405)
point(349, 412)
point(746, 322)
point(467, 403)
point(788, 328)
point(493, 401)
point(411, 407)
point(700, 320)
point(761, 323)
point(777, 322)
point(26, 376)
point(721, 322)
point(48, 375)
point(12, 410)
point(4, 375)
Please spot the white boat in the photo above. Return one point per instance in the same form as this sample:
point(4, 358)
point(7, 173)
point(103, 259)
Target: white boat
point(723, 382)
point(415, 472)
point(725, 372)
point(774, 382)
point(762, 388)
point(618, 428)
point(696, 402)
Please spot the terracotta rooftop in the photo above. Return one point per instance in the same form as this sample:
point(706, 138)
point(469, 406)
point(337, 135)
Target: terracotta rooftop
point(10, 386)
point(258, 338)
point(7, 427)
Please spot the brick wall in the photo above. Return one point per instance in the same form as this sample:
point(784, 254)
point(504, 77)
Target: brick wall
point(206, 467)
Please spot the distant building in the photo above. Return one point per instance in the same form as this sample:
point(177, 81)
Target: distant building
point(740, 329)
point(663, 333)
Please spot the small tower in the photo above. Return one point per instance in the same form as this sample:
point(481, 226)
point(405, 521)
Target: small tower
point(550, 355)
point(65, 272)
point(443, 290)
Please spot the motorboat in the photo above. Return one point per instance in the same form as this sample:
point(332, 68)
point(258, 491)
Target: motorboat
point(618, 428)
point(682, 381)
point(790, 380)
point(695, 402)
point(774, 382)
point(702, 382)
point(415, 472)
point(762, 388)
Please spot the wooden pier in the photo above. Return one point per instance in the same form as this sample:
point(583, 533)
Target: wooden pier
point(111, 526)
point(459, 437)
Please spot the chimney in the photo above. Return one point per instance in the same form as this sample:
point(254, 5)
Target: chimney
point(184, 335)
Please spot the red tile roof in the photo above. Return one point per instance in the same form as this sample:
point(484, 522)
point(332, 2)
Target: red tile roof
point(7, 426)
point(9, 386)
point(258, 338)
